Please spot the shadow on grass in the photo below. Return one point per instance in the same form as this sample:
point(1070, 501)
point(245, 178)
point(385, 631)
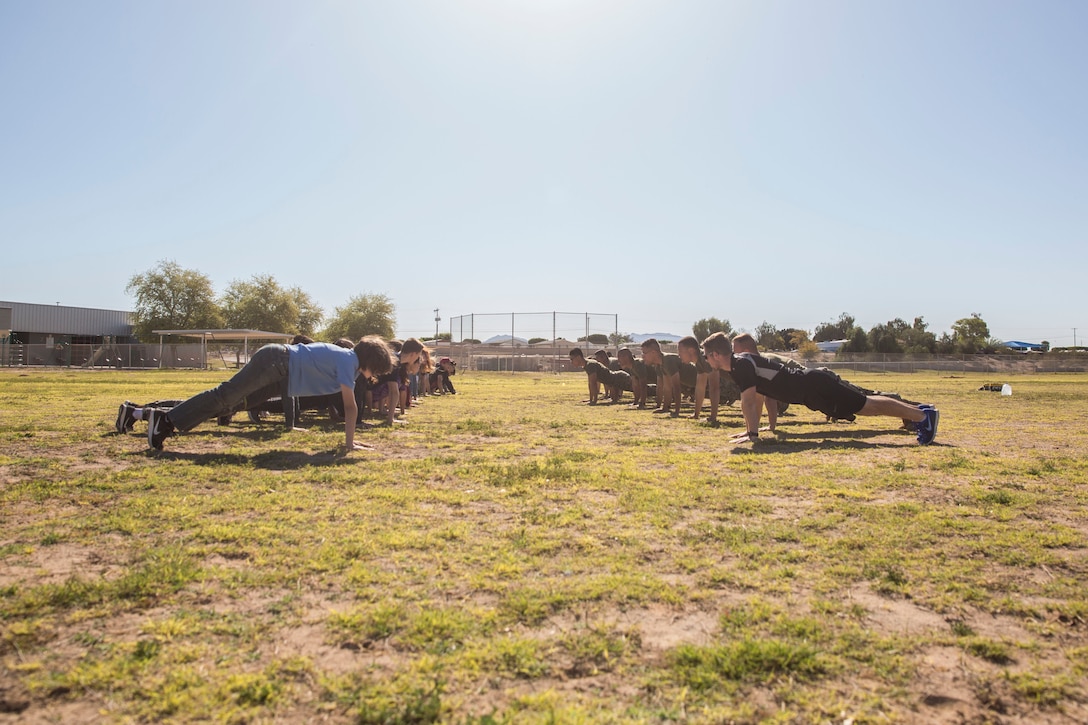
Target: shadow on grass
point(851, 439)
point(269, 460)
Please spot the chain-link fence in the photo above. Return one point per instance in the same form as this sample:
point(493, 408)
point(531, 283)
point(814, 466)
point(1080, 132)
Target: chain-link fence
point(144, 355)
point(527, 341)
point(1023, 363)
point(518, 349)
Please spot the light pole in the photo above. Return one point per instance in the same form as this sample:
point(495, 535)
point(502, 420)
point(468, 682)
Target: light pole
point(437, 319)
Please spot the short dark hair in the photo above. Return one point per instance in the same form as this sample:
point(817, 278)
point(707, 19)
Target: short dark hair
point(651, 343)
point(301, 339)
point(411, 345)
point(374, 355)
point(577, 351)
point(718, 343)
point(688, 341)
point(745, 339)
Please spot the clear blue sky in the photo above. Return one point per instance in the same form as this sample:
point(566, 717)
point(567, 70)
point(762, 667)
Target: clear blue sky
point(666, 161)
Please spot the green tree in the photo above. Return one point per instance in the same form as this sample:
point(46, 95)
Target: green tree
point(859, 342)
point(365, 314)
point(970, 334)
point(885, 338)
point(707, 326)
point(170, 297)
point(794, 338)
point(310, 313)
point(917, 339)
point(841, 329)
point(260, 303)
point(767, 337)
point(618, 338)
point(808, 350)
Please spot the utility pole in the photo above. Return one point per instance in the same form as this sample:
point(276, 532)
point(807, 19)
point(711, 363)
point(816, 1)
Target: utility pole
point(437, 319)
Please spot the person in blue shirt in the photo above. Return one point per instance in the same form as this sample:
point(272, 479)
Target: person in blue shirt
point(316, 369)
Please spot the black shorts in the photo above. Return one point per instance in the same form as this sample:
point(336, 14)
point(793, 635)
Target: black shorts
point(831, 395)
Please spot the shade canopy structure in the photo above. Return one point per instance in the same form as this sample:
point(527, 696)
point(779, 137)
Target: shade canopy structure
point(220, 336)
point(1021, 345)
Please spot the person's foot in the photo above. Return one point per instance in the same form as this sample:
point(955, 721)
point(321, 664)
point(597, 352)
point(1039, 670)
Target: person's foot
point(254, 416)
point(125, 418)
point(223, 420)
point(927, 429)
point(159, 428)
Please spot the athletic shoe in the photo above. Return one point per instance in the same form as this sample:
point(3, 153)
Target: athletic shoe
point(223, 420)
point(125, 418)
point(158, 428)
point(927, 429)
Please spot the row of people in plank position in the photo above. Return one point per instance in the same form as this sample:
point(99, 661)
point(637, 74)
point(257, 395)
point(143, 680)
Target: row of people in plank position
point(760, 380)
point(347, 379)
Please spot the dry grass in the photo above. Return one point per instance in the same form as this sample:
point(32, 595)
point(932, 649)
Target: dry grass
point(512, 556)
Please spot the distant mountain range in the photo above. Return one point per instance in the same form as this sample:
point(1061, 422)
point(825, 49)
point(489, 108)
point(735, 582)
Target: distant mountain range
point(659, 336)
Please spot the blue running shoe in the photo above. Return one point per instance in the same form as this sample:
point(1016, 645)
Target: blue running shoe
point(927, 429)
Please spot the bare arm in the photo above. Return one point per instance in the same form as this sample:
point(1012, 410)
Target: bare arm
point(394, 397)
point(674, 391)
point(714, 377)
point(700, 393)
point(772, 413)
point(594, 388)
point(351, 414)
point(752, 408)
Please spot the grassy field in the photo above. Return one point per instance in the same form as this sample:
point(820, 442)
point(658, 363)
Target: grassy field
point(510, 555)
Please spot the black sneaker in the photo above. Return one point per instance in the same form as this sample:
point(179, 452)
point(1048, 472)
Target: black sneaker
point(125, 418)
point(158, 428)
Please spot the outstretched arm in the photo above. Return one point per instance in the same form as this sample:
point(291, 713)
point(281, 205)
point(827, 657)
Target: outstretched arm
point(351, 413)
point(752, 408)
point(700, 393)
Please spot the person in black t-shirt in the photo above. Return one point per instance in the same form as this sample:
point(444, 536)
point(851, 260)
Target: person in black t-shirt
point(816, 389)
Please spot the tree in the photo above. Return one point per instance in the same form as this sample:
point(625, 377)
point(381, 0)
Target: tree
point(365, 314)
point(618, 338)
point(885, 338)
point(841, 329)
point(169, 297)
point(767, 337)
point(917, 339)
point(310, 313)
point(707, 326)
point(970, 334)
point(808, 350)
point(794, 338)
point(859, 342)
point(260, 304)
point(535, 340)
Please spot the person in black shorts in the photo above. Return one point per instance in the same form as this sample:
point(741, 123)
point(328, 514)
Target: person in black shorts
point(816, 389)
